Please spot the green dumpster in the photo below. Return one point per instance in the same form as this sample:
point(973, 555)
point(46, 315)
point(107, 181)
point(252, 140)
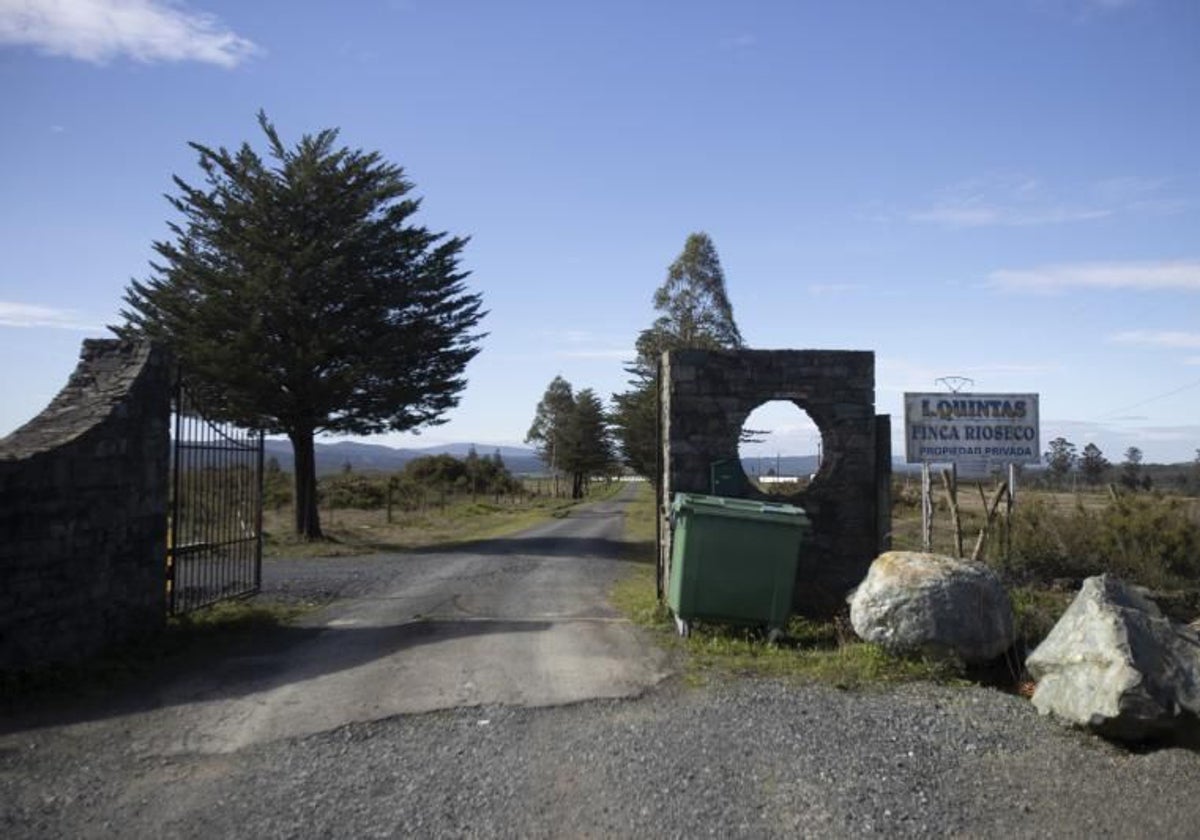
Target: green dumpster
point(734, 560)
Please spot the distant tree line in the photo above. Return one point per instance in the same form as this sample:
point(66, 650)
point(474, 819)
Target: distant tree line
point(571, 434)
point(1066, 467)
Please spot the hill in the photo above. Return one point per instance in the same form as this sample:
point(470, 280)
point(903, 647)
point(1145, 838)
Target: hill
point(374, 457)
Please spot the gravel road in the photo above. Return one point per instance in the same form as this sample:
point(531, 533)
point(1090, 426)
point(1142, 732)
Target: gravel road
point(751, 758)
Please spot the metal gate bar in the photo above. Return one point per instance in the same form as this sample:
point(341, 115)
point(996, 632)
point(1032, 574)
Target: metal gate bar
point(214, 544)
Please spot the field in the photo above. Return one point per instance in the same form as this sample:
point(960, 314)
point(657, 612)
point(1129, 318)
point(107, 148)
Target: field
point(439, 519)
point(1053, 540)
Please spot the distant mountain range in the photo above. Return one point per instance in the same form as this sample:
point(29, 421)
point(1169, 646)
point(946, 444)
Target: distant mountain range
point(799, 466)
point(374, 457)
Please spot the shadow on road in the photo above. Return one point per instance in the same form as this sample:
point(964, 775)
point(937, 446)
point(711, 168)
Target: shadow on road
point(568, 548)
point(273, 658)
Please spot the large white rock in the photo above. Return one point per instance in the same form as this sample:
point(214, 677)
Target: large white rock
point(911, 602)
point(1116, 665)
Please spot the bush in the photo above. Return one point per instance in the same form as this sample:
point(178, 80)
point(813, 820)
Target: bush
point(354, 491)
point(1153, 538)
point(1145, 539)
point(277, 486)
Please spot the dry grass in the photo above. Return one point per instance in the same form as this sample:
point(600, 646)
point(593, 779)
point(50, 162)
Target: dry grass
point(350, 531)
point(818, 651)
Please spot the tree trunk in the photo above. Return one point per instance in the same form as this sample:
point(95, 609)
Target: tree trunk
point(308, 522)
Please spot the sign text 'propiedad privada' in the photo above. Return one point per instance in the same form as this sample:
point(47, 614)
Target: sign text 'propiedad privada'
point(979, 433)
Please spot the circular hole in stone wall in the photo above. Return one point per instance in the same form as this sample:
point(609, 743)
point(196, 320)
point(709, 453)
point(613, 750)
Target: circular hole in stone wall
point(780, 448)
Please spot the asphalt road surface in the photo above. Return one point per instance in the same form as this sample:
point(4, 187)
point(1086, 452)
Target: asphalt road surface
point(522, 621)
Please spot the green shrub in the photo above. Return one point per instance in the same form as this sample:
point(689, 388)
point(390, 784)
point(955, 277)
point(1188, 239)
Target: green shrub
point(350, 490)
point(1144, 539)
point(1036, 611)
point(1152, 540)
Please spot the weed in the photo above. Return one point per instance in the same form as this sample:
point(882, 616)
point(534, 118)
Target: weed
point(1035, 612)
point(460, 520)
point(821, 651)
point(1144, 539)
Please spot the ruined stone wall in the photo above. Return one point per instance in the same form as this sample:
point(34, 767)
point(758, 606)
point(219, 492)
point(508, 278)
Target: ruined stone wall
point(83, 510)
point(707, 396)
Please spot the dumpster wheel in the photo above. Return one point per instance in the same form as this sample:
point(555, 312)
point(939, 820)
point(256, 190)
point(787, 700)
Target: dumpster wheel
point(683, 626)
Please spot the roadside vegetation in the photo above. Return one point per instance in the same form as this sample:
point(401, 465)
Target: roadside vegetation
point(1064, 529)
point(1054, 539)
point(827, 652)
point(435, 500)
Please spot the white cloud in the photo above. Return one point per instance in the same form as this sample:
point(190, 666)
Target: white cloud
point(1138, 194)
point(29, 315)
point(1003, 200)
point(1159, 338)
point(1015, 200)
point(620, 355)
point(99, 30)
point(1173, 275)
point(1192, 360)
point(899, 375)
point(833, 289)
point(1161, 444)
point(972, 213)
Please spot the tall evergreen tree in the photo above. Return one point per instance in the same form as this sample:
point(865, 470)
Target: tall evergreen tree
point(694, 312)
point(1131, 468)
point(547, 431)
point(300, 298)
point(587, 446)
point(635, 425)
point(1061, 458)
point(1093, 464)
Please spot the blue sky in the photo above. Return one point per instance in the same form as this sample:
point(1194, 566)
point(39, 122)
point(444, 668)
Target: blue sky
point(1007, 190)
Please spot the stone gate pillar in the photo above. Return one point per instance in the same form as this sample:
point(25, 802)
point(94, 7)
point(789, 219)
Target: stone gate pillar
point(707, 396)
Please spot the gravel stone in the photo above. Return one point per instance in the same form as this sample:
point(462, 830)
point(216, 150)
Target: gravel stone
point(756, 758)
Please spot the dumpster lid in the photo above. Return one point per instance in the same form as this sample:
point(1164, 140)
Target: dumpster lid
point(737, 508)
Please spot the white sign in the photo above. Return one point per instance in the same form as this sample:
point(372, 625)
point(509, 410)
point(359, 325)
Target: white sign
point(978, 433)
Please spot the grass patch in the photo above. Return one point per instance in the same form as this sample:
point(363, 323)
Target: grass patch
point(189, 640)
point(350, 531)
point(817, 651)
point(634, 597)
point(811, 651)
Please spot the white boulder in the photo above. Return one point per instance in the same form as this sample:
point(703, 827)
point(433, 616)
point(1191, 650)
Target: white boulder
point(1116, 665)
point(912, 602)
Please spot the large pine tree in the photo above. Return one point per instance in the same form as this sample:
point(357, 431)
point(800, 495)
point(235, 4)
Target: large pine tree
point(300, 298)
point(587, 445)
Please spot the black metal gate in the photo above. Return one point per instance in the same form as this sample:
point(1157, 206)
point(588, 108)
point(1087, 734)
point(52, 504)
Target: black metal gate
point(214, 534)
